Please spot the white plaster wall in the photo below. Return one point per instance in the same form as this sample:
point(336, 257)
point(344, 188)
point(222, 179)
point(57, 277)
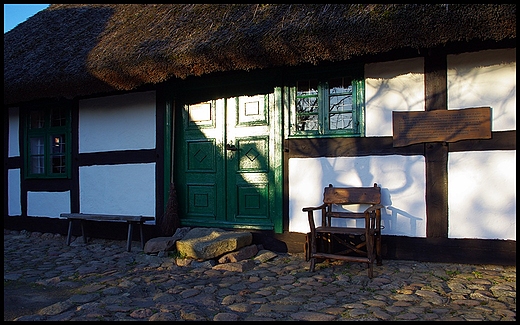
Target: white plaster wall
point(482, 194)
point(14, 203)
point(118, 189)
point(401, 178)
point(392, 86)
point(48, 204)
point(14, 132)
point(123, 122)
point(482, 79)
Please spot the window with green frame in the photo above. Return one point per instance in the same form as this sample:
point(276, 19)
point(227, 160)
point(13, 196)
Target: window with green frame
point(330, 107)
point(47, 142)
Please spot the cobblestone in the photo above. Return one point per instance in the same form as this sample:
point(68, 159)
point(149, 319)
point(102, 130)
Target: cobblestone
point(111, 284)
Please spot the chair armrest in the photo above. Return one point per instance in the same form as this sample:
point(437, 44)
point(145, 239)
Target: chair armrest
point(310, 215)
point(374, 208)
point(307, 209)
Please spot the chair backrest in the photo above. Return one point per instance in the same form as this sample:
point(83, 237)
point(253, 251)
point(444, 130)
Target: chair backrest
point(352, 195)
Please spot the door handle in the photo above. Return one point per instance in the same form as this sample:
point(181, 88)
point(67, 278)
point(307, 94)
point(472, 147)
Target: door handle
point(231, 147)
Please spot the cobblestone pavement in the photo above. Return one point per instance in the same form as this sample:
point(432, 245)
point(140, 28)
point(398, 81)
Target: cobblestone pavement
point(105, 282)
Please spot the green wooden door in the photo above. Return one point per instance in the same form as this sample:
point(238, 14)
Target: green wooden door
point(228, 163)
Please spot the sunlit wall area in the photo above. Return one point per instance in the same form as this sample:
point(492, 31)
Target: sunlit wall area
point(401, 179)
point(482, 195)
point(118, 189)
point(485, 79)
point(392, 86)
point(482, 185)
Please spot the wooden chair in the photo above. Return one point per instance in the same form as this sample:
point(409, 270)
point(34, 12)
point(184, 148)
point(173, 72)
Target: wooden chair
point(358, 243)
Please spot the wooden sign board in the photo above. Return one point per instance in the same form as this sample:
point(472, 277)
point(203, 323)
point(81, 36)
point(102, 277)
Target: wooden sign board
point(441, 125)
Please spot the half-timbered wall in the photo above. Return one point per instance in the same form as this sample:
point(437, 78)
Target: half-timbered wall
point(481, 183)
point(114, 161)
point(433, 193)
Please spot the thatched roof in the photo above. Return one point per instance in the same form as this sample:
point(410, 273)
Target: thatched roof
point(70, 50)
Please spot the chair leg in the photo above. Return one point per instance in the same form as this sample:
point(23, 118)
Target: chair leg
point(371, 251)
point(379, 259)
point(313, 249)
point(313, 264)
point(307, 247)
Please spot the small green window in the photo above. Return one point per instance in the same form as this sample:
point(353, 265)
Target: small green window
point(47, 143)
point(332, 107)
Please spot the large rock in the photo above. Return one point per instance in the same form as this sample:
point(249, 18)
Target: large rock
point(208, 243)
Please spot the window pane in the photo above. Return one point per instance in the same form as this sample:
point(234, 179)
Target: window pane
point(307, 87)
point(36, 119)
point(58, 153)
point(37, 146)
point(341, 121)
point(307, 105)
point(340, 86)
point(58, 143)
point(58, 117)
point(37, 165)
point(342, 103)
point(58, 164)
point(37, 151)
point(307, 122)
point(307, 97)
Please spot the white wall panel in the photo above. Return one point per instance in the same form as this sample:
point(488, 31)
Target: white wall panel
point(48, 204)
point(392, 86)
point(14, 207)
point(401, 178)
point(482, 194)
point(486, 78)
point(118, 189)
point(124, 122)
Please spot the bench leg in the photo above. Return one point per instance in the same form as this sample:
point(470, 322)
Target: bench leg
point(142, 234)
point(83, 233)
point(129, 239)
point(69, 234)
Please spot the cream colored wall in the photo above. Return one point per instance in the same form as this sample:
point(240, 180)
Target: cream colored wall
point(124, 122)
point(401, 179)
point(482, 185)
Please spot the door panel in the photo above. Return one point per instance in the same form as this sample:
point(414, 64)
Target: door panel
point(230, 174)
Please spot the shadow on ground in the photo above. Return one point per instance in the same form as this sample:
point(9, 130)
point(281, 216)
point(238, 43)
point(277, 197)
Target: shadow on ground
point(21, 298)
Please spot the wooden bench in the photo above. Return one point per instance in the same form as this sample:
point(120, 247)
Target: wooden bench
point(360, 242)
point(86, 217)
